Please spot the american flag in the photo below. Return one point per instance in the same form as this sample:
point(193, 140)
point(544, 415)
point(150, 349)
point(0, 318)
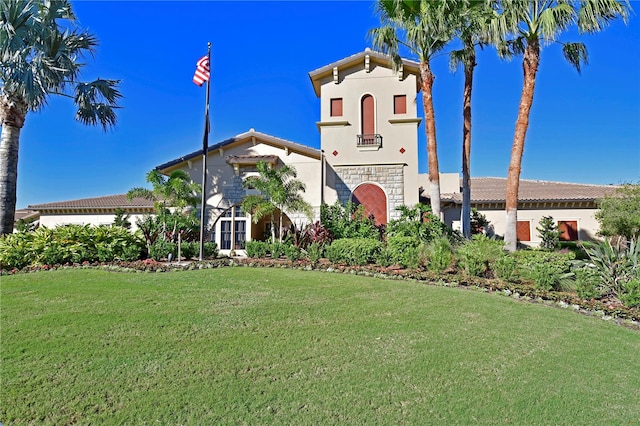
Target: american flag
point(202, 71)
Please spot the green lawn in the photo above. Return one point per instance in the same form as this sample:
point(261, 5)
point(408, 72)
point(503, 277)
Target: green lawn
point(278, 346)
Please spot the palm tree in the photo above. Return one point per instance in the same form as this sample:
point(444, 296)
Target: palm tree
point(470, 19)
point(532, 24)
point(421, 28)
point(40, 50)
point(173, 191)
point(280, 190)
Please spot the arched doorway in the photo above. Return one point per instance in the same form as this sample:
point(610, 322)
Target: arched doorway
point(374, 201)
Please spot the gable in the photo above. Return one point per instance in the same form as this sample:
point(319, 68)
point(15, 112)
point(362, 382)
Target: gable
point(248, 143)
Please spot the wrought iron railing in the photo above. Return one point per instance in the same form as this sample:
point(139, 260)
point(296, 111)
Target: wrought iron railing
point(373, 140)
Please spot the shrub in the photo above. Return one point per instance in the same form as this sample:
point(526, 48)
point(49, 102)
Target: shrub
point(276, 249)
point(257, 249)
point(189, 250)
point(161, 249)
point(315, 252)
point(403, 250)
point(314, 233)
point(588, 284)
point(505, 267)
point(548, 270)
point(417, 222)
point(210, 250)
point(439, 254)
point(348, 221)
point(69, 244)
point(354, 251)
point(631, 295)
point(477, 255)
point(292, 252)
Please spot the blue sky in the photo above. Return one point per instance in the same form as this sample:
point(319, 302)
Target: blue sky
point(584, 128)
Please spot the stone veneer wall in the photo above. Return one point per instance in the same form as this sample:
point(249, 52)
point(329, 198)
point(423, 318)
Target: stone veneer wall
point(389, 177)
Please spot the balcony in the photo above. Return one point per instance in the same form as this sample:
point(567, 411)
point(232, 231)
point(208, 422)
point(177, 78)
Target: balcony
point(369, 141)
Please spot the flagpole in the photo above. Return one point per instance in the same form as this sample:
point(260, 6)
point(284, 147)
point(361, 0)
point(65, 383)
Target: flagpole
point(205, 146)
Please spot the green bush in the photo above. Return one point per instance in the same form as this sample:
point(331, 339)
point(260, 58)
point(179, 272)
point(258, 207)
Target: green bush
point(189, 250)
point(348, 221)
point(292, 252)
point(354, 251)
point(276, 249)
point(161, 249)
point(504, 267)
point(439, 254)
point(631, 295)
point(69, 244)
point(210, 250)
point(315, 252)
point(257, 249)
point(403, 250)
point(548, 270)
point(477, 255)
point(588, 283)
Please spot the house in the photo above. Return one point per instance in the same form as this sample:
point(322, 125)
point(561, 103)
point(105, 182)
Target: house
point(368, 154)
point(92, 211)
point(571, 205)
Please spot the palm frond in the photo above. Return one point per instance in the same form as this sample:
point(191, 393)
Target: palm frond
point(97, 102)
point(575, 54)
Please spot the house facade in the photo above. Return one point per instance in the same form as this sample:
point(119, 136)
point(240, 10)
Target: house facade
point(368, 155)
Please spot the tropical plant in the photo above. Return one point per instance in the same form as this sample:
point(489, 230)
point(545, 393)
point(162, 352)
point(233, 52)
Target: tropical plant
point(526, 26)
point(617, 264)
point(470, 19)
point(279, 190)
point(477, 255)
point(348, 221)
point(121, 218)
point(420, 28)
point(42, 48)
point(549, 233)
point(175, 197)
point(418, 223)
point(619, 213)
point(479, 222)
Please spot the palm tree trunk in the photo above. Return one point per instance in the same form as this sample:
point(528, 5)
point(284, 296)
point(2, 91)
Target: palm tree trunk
point(13, 111)
point(9, 144)
point(530, 68)
point(427, 79)
point(469, 66)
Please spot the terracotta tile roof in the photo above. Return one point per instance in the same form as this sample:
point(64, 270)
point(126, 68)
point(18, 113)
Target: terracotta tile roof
point(26, 214)
point(106, 202)
point(493, 190)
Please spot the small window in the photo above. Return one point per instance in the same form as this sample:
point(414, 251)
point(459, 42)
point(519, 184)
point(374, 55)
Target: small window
point(523, 230)
point(336, 107)
point(568, 230)
point(400, 104)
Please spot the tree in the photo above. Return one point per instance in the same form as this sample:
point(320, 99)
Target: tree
point(529, 25)
point(41, 49)
point(549, 233)
point(280, 190)
point(619, 214)
point(470, 19)
point(421, 28)
point(175, 191)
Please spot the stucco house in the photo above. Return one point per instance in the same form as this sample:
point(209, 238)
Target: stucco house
point(368, 154)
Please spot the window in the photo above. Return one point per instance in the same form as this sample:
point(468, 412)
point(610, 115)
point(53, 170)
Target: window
point(400, 104)
point(233, 229)
point(568, 230)
point(336, 107)
point(523, 230)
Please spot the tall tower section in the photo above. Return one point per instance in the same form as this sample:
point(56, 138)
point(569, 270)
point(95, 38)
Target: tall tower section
point(369, 132)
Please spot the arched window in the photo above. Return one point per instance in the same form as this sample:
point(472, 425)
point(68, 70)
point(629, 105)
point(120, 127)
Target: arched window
point(367, 119)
